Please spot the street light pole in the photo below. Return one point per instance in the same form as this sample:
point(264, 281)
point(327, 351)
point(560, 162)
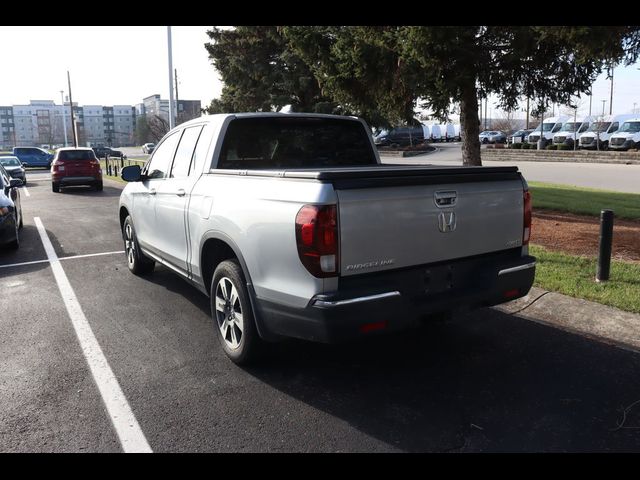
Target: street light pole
point(171, 110)
point(603, 102)
point(64, 118)
point(73, 123)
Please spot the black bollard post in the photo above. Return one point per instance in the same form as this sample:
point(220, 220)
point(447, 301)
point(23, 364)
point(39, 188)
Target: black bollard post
point(606, 240)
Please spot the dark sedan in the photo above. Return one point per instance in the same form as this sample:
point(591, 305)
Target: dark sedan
point(10, 210)
point(102, 152)
point(14, 167)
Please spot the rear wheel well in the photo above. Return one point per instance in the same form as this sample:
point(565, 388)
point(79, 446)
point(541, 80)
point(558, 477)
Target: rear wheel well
point(214, 252)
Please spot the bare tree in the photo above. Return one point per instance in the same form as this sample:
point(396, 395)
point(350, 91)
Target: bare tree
point(158, 127)
point(506, 122)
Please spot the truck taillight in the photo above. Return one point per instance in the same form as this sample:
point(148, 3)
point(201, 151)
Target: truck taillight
point(526, 230)
point(317, 239)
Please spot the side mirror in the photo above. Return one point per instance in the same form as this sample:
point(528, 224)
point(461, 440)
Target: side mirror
point(15, 182)
point(132, 173)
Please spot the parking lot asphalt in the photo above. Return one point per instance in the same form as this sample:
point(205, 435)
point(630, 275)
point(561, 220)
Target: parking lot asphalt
point(487, 381)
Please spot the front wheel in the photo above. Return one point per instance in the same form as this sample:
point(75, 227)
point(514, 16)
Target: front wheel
point(138, 262)
point(232, 314)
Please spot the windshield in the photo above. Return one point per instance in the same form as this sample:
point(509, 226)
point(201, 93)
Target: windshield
point(632, 127)
point(599, 127)
point(296, 142)
point(10, 162)
point(547, 126)
point(571, 126)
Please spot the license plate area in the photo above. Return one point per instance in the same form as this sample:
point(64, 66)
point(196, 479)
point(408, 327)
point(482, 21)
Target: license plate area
point(438, 279)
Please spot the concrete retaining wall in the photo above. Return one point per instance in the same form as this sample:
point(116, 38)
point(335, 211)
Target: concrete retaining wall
point(580, 156)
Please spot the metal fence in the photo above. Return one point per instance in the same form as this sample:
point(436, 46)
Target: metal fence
point(114, 165)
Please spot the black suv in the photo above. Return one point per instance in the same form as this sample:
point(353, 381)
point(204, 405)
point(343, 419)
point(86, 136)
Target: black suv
point(102, 152)
point(400, 136)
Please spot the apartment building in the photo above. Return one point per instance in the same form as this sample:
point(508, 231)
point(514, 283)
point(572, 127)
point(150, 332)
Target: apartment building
point(42, 122)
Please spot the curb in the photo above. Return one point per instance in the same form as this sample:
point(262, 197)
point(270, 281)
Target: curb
point(593, 320)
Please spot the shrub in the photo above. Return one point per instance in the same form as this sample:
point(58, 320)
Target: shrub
point(517, 146)
point(526, 146)
point(564, 147)
point(551, 147)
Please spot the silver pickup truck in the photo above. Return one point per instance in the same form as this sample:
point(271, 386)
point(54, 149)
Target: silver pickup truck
point(293, 227)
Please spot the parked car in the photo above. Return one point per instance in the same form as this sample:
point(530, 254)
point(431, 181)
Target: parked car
point(303, 232)
point(75, 166)
point(400, 136)
point(14, 167)
point(10, 210)
point(148, 148)
point(33, 156)
point(102, 152)
point(493, 136)
point(519, 136)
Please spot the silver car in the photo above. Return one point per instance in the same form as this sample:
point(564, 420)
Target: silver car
point(493, 136)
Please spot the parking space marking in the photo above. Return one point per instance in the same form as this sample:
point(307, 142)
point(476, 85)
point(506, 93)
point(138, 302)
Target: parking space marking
point(129, 433)
point(26, 192)
point(61, 258)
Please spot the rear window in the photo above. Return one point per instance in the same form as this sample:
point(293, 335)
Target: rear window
point(265, 143)
point(76, 155)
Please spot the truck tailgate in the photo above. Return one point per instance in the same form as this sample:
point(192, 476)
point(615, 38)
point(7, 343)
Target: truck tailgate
point(400, 225)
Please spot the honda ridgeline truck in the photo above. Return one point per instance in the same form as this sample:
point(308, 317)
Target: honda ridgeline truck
point(293, 228)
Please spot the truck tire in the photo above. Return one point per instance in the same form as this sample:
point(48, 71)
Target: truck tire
point(138, 262)
point(232, 314)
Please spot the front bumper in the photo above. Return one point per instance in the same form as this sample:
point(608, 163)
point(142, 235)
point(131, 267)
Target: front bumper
point(395, 300)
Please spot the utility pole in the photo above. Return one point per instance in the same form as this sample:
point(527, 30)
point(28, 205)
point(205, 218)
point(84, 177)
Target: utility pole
point(177, 98)
point(590, 98)
point(527, 127)
point(64, 118)
point(171, 107)
point(611, 100)
point(73, 123)
point(603, 102)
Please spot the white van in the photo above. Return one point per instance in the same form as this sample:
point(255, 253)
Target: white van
point(436, 133)
point(602, 128)
point(571, 131)
point(426, 132)
point(550, 126)
point(456, 130)
point(628, 136)
point(448, 132)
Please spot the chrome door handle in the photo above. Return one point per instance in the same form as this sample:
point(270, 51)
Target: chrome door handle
point(152, 191)
point(180, 192)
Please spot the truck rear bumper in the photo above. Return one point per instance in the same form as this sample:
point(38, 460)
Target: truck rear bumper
point(395, 300)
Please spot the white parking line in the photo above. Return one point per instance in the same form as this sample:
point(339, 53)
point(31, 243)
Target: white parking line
point(127, 428)
point(60, 258)
point(26, 192)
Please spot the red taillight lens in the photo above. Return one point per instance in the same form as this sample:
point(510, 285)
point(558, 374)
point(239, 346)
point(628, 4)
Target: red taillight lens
point(526, 230)
point(317, 239)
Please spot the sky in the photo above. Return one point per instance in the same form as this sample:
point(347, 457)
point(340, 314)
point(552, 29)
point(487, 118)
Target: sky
point(122, 65)
point(108, 65)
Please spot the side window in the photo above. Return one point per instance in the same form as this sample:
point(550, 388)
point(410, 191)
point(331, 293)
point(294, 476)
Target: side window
point(556, 128)
point(614, 127)
point(583, 128)
point(200, 155)
point(161, 160)
point(184, 153)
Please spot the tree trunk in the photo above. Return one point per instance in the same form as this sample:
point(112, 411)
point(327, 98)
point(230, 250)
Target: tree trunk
point(470, 125)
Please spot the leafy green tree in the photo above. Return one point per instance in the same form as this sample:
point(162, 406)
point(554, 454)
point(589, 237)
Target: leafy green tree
point(391, 70)
point(260, 73)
